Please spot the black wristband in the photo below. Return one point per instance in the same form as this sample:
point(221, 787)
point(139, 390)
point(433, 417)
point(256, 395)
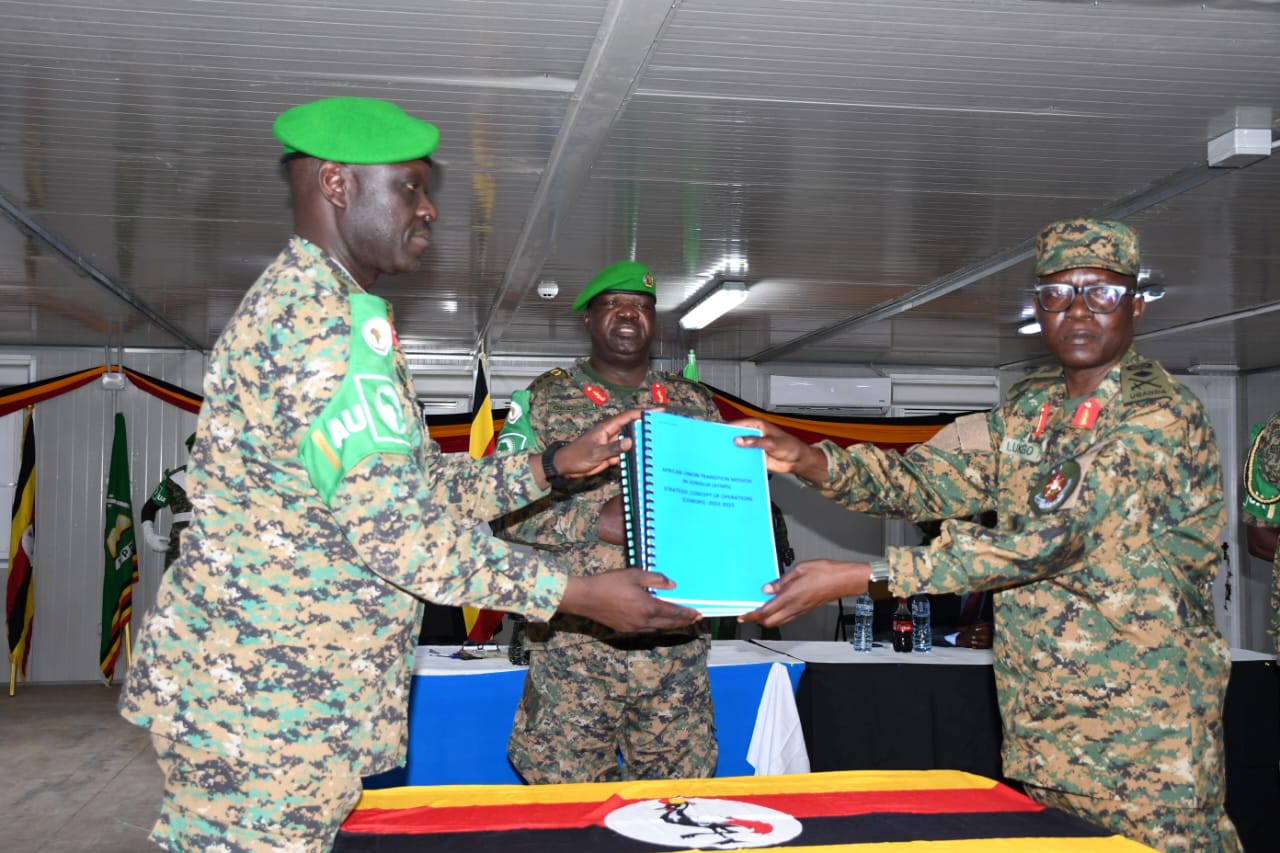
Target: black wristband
point(554, 480)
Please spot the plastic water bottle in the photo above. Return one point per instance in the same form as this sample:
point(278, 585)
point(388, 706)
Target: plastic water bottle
point(863, 614)
point(921, 624)
point(902, 627)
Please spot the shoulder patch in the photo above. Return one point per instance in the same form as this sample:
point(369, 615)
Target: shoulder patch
point(370, 412)
point(1143, 381)
point(967, 433)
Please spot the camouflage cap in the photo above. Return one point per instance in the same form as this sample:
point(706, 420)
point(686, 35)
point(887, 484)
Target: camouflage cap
point(1102, 243)
point(624, 275)
point(364, 131)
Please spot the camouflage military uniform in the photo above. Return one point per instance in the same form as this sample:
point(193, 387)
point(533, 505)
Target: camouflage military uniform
point(590, 691)
point(281, 640)
point(1262, 500)
point(1110, 669)
point(172, 494)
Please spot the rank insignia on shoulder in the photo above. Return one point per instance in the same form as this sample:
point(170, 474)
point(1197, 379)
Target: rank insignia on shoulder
point(1142, 382)
point(1056, 488)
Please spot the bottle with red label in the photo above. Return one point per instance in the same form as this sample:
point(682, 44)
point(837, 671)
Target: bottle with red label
point(902, 626)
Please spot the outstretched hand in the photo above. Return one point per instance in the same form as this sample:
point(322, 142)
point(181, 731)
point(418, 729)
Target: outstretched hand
point(597, 448)
point(783, 452)
point(807, 585)
point(621, 600)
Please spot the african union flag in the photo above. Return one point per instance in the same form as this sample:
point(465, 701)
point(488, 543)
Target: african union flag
point(880, 811)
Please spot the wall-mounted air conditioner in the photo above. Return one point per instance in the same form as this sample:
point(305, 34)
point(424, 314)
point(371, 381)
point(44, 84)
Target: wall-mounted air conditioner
point(830, 395)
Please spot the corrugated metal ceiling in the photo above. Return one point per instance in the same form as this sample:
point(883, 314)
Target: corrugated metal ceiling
point(879, 166)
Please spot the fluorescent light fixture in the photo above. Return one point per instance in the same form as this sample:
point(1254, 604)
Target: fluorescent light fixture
point(725, 297)
point(1032, 328)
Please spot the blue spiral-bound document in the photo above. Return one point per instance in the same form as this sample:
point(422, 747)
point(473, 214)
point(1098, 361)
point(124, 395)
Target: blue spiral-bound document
point(696, 508)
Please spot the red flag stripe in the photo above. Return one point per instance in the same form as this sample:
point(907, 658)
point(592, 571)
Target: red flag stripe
point(425, 820)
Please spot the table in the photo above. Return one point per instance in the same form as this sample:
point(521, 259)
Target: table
point(460, 713)
point(882, 710)
point(885, 810)
point(897, 711)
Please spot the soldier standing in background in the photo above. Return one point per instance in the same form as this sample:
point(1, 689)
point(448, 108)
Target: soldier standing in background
point(273, 670)
point(171, 493)
point(592, 692)
point(1109, 665)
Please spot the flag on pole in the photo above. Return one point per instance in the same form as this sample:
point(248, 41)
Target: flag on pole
point(481, 625)
point(120, 553)
point(20, 591)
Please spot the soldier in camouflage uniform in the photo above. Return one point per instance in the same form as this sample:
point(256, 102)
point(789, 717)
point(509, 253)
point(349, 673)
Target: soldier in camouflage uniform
point(273, 670)
point(1262, 507)
point(593, 693)
point(1110, 669)
point(171, 493)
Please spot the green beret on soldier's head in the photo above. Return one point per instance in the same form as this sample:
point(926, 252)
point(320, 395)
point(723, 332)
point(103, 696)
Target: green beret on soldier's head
point(1102, 243)
point(624, 275)
point(363, 131)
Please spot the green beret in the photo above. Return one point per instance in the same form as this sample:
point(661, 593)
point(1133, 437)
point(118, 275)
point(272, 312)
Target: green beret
point(355, 130)
point(624, 275)
point(1101, 243)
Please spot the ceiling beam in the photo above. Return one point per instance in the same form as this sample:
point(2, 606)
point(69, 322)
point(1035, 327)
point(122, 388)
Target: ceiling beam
point(628, 35)
point(1163, 190)
point(27, 223)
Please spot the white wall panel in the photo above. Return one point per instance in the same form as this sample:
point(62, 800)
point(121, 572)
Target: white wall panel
point(73, 447)
point(1218, 394)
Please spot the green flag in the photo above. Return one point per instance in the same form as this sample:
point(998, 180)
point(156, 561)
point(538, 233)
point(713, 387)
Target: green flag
point(120, 554)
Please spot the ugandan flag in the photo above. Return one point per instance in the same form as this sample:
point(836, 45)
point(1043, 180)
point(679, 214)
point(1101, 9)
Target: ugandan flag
point(481, 625)
point(858, 810)
point(454, 432)
point(12, 399)
point(890, 433)
point(19, 590)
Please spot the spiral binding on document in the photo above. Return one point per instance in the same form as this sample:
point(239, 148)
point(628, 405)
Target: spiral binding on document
point(630, 531)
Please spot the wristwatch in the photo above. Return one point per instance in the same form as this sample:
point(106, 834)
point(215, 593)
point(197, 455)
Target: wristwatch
point(554, 480)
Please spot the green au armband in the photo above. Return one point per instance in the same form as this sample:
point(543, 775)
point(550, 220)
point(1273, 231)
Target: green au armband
point(517, 432)
point(1262, 499)
point(369, 413)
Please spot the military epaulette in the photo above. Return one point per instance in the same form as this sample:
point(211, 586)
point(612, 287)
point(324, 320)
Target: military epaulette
point(1042, 376)
point(1143, 381)
point(553, 375)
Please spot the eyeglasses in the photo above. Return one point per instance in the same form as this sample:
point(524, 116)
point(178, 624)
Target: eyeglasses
point(1098, 298)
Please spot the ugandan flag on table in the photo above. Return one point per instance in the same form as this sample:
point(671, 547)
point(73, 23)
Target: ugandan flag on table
point(881, 811)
